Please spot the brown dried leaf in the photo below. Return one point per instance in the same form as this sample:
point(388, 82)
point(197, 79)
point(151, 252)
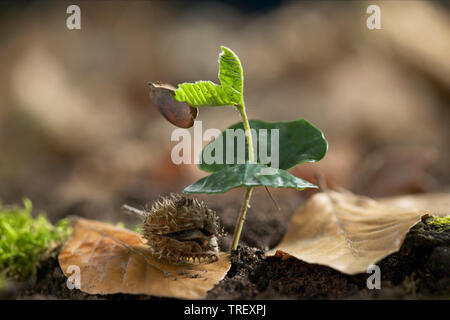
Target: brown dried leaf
point(437, 204)
point(346, 232)
point(116, 260)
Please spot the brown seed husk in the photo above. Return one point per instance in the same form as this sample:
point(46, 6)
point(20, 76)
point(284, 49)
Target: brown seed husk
point(178, 213)
point(178, 113)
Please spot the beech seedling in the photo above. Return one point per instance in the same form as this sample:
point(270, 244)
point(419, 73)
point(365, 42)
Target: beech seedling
point(293, 142)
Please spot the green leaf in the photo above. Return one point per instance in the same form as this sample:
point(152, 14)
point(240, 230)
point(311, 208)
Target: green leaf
point(231, 75)
point(207, 93)
point(299, 141)
point(202, 94)
point(246, 175)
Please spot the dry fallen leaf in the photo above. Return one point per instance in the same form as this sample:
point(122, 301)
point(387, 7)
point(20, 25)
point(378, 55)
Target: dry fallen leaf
point(346, 232)
point(437, 204)
point(116, 260)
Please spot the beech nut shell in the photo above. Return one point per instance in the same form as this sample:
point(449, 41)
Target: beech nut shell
point(181, 229)
point(178, 113)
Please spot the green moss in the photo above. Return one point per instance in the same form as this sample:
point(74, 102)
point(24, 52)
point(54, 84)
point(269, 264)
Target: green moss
point(439, 224)
point(138, 229)
point(24, 239)
point(120, 224)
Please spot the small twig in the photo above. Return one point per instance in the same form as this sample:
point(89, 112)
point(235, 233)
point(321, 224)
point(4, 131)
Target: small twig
point(132, 211)
point(273, 200)
point(321, 181)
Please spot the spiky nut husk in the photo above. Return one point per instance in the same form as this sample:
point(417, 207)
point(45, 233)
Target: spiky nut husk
point(177, 213)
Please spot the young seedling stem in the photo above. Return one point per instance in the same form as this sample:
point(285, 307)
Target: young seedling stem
point(240, 223)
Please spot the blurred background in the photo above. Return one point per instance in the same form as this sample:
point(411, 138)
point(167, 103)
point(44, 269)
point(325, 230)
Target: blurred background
point(79, 135)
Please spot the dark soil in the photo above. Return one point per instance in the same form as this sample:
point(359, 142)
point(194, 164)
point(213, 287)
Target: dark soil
point(420, 270)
